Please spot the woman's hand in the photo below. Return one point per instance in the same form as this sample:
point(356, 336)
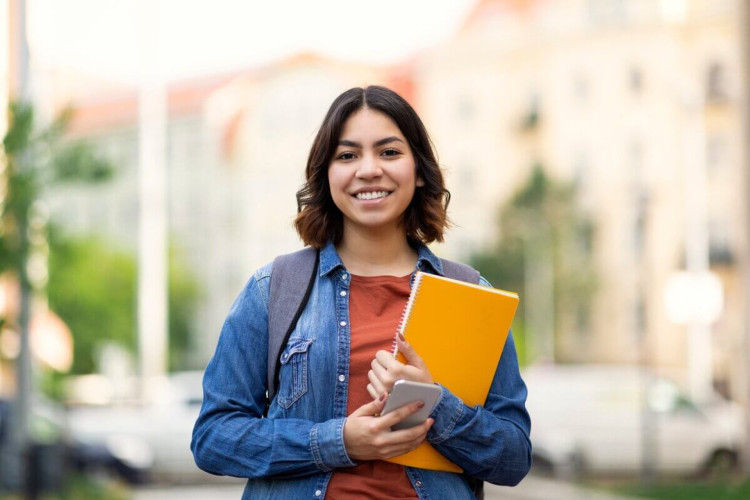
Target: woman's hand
point(368, 436)
point(386, 370)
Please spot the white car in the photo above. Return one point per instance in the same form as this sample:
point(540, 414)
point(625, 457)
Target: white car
point(157, 435)
point(616, 420)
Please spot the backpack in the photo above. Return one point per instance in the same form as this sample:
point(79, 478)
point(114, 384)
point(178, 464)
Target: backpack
point(288, 299)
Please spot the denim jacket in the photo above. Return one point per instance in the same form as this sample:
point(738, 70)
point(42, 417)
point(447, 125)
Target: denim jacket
point(293, 452)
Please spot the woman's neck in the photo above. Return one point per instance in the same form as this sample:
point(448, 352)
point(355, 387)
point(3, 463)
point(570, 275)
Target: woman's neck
point(368, 254)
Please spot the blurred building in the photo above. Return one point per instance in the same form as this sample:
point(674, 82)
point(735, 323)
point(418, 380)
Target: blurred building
point(617, 96)
point(236, 150)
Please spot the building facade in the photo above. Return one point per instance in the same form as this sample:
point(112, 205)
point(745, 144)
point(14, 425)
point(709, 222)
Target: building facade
point(621, 98)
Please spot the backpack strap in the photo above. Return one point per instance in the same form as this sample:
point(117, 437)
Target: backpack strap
point(287, 300)
point(461, 272)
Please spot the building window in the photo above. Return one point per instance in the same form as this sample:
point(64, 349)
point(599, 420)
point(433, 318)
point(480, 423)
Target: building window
point(466, 178)
point(465, 109)
point(639, 194)
point(640, 324)
point(716, 85)
point(716, 152)
point(635, 80)
point(607, 12)
point(531, 115)
point(581, 88)
point(720, 250)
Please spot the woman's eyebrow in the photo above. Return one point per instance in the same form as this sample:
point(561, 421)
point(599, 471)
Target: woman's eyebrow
point(380, 142)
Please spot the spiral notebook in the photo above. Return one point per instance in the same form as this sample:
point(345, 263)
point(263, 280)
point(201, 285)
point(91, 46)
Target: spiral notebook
point(459, 329)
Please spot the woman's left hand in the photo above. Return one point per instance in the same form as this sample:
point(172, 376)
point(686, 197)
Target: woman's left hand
point(386, 369)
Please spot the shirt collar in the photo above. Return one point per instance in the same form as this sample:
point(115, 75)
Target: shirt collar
point(426, 260)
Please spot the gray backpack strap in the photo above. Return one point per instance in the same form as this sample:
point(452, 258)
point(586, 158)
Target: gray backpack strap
point(288, 296)
point(459, 271)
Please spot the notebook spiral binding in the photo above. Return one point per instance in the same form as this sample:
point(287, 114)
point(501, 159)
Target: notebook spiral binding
point(407, 311)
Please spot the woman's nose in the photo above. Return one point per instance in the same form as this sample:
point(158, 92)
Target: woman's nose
point(369, 168)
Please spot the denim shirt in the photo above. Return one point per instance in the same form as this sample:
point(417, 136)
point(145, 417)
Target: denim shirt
point(293, 452)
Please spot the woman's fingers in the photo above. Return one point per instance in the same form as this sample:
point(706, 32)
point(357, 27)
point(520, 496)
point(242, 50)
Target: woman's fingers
point(368, 437)
point(396, 416)
point(388, 362)
point(372, 392)
point(375, 383)
point(405, 440)
point(372, 408)
point(380, 371)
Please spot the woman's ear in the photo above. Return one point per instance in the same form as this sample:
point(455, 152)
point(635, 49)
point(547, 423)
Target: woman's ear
point(420, 181)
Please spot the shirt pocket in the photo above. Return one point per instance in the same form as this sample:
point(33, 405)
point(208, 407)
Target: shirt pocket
point(293, 372)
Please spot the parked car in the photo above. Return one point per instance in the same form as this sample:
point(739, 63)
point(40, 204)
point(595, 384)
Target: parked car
point(158, 434)
point(612, 420)
point(54, 451)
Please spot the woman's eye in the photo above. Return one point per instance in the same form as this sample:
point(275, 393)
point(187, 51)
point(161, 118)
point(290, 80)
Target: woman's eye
point(391, 152)
point(345, 156)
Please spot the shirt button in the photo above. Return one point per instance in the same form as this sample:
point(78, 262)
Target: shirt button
point(318, 493)
point(342, 293)
point(418, 483)
point(341, 378)
point(343, 323)
point(344, 276)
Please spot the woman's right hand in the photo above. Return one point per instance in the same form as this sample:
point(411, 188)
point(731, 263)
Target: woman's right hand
point(368, 435)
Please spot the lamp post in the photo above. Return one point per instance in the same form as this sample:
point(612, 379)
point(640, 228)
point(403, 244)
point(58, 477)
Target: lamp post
point(152, 245)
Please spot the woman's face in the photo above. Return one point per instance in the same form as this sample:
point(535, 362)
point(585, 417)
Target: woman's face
point(372, 175)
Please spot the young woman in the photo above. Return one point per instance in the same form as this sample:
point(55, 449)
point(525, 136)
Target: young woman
point(373, 198)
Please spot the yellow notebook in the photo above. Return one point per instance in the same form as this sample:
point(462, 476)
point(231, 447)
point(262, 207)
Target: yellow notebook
point(459, 329)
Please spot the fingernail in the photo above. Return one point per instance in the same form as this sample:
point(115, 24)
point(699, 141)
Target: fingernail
point(420, 404)
point(382, 397)
point(401, 336)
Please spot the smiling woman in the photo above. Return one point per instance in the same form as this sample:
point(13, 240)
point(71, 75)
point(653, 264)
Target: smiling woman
point(373, 198)
point(371, 141)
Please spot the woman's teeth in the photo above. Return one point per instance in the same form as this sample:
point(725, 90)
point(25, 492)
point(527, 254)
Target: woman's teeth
point(371, 195)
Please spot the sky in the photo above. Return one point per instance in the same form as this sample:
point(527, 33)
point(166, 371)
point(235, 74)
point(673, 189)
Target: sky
point(105, 38)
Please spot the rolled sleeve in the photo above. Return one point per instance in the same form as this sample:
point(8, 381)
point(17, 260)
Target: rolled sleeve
point(446, 413)
point(327, 443)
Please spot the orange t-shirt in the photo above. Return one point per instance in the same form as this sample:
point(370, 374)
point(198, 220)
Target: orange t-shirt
point(375, 307)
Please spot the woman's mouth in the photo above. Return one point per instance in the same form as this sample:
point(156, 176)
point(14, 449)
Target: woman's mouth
point(372, 195)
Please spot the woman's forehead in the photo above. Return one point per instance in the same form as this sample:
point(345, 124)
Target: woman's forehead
point(369, 123)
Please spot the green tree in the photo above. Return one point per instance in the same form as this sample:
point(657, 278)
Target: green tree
point(544, 235)
point(35, 161)
point(92, 287)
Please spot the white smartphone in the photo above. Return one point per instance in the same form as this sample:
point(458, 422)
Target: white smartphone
point(405, 392)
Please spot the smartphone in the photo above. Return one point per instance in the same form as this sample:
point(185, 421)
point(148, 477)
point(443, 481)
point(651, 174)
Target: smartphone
point(405, 392)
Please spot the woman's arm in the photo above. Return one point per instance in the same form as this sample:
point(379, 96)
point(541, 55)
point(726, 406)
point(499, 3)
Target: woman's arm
point(490, 442)
point(230, 436)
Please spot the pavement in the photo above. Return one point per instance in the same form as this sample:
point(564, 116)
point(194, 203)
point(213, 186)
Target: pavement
point(531, 488)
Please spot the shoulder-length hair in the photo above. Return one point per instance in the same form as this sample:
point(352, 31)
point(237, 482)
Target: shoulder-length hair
point(318, 218)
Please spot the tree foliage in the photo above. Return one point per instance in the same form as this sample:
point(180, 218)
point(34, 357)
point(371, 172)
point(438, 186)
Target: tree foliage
point(35, 159)
point(92, 287)
point(542, 224)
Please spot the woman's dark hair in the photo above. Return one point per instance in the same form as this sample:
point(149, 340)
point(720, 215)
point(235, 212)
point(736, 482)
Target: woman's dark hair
point(319, 220)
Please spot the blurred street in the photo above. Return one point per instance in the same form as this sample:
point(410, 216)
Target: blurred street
point(531, 488)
